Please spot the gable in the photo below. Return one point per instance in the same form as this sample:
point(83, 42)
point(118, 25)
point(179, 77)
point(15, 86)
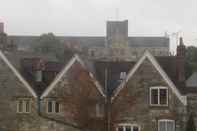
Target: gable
point(12, 79)
point(63, 74)
point(165, 77)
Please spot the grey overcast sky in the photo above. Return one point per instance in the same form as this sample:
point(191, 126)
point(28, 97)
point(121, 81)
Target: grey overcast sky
point(88, 17)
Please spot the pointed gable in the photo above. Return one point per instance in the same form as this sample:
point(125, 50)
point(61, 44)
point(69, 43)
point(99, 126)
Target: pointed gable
point(63, 74)
point(11, 78)
point(163, 74)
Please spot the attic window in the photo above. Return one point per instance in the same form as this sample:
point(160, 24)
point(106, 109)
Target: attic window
point(158, 96)
point(38, 76)
point(23, 106)
point(53, 106)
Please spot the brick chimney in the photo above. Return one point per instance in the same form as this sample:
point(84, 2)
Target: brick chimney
point(181, 56)
point(3, 37)
point(1, 27)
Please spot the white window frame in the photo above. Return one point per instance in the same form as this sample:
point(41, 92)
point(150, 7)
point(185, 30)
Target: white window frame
point(166, 120)
point(24, 105)
point(53, 107)
point(158, 88)
point(124, 125)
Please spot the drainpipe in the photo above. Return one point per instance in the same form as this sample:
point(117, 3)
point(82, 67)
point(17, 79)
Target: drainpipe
point(108, 103)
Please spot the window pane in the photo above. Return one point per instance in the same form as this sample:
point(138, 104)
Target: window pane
point(135, 128)
point(38, 76)
point(120, 128)
point(154, 96)
point(27, 106)
point(163, 96)
point(50, 106)
point(20, 106)
point(170, 126)
point(162, 126)
point(57, 107)
point(128, 128)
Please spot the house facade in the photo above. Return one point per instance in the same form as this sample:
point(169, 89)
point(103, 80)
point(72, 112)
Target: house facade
point(116, 94)
point(99, 95)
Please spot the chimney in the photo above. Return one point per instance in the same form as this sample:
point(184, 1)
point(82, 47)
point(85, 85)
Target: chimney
point(181, 50)
point(1, 27)
point(181, 54)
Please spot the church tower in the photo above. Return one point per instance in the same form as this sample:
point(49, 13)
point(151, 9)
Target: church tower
point(117, 40)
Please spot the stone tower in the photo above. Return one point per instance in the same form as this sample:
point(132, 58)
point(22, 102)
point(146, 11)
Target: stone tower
point(117, 33)
point(117, 40)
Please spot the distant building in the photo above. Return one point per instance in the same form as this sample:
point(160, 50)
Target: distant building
point(116, 45)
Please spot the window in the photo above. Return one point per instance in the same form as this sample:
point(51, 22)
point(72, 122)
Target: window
point(23, 106)
point(159, 96)
point(53, 107)
point(128, 127)
point(166, 125)
point(38, 76)
point(99, 110)
point(123, 75)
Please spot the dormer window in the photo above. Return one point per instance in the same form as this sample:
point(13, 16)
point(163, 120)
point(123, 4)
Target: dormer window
point(123, 75)
point(159, 96)
point(38, 76)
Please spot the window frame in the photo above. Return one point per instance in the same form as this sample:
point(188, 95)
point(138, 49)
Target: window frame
point(158, 95)
point(166, 120)
point(24, 105)
point(53, 107)
point(124, 125)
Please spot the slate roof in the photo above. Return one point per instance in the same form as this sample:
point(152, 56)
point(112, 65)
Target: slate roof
point(25, 42)
point(98, 68)
point(148, 42)
point(168, 63)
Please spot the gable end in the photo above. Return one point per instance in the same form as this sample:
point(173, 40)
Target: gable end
point(151, 58)
point(17, 74)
